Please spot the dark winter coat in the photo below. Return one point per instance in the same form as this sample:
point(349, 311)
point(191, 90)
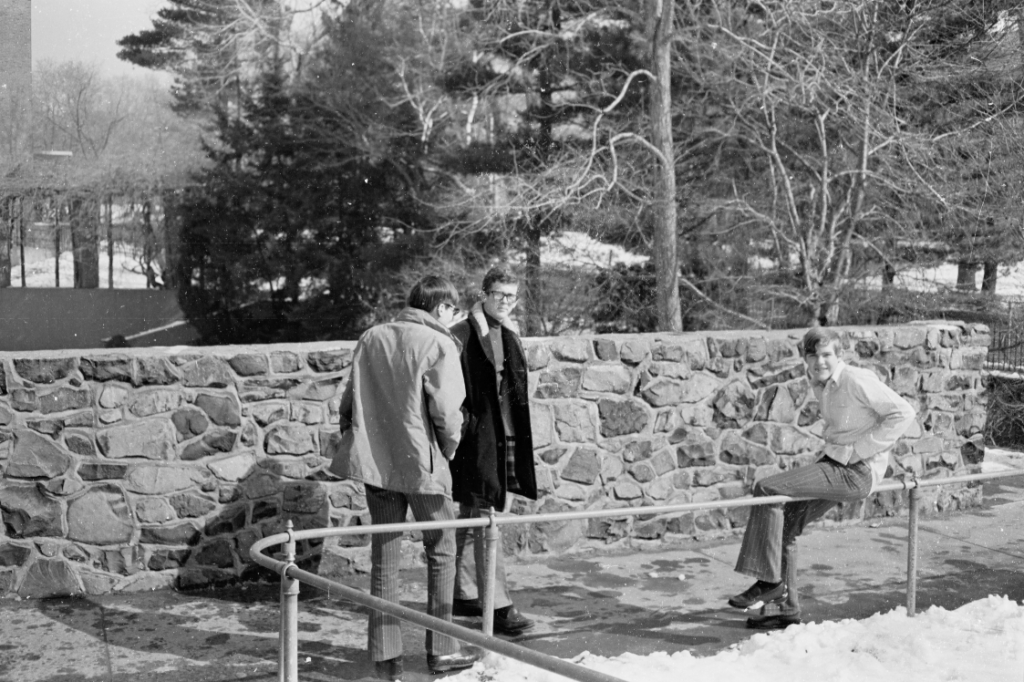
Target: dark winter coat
point(477, 469)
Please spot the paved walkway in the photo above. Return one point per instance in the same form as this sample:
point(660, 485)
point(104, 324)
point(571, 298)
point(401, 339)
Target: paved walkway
point(666, 600)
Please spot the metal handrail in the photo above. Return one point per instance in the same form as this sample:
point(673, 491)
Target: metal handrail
point(291, 575)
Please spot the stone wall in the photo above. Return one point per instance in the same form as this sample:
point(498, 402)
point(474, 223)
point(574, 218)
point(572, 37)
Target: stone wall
point(145, 468)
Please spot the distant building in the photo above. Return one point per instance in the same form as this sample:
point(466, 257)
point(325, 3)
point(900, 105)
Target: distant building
point(15, 46)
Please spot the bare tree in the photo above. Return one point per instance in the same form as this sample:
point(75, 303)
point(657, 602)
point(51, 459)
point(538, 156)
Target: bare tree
point(809, 117)
point(79, 110)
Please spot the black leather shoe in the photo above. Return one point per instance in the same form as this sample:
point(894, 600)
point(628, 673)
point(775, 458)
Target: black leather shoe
point(457, 661)
point(390, 669)
point(759, 594)
point(468, 608)
point(509, 621)
point(776, 622)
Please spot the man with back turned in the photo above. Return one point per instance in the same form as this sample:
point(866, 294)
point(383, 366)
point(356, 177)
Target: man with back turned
point(401, 422)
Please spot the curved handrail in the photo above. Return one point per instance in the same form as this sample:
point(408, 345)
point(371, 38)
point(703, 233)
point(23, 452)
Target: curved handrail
point(511, 520)
point(291, 575)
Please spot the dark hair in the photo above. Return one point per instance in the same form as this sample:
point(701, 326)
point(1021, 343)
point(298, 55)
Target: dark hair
point(499, 274)
point(817, 337)
point(432, 291)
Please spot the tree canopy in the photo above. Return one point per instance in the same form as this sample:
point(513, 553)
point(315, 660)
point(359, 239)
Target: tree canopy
point(808, 149)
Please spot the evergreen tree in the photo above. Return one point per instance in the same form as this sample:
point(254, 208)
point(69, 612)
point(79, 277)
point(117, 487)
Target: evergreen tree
point(552, 99)
point(310, 201)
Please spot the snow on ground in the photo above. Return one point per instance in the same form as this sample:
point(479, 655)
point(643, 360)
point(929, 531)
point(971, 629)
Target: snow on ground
point(982, 641)
point(574, 248)
point(1009, 283)
point(568, 248)
point(40, 269)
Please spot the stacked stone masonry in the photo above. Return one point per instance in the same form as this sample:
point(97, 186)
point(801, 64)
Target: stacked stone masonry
point(138, 469)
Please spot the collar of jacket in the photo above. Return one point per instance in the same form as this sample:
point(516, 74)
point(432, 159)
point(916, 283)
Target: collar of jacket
point(476, 314)
point(417, 316)
point(479, 323)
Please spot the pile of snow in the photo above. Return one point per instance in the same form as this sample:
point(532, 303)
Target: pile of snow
point(983, 640)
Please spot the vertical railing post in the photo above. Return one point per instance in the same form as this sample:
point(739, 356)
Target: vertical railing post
point(491, 540)
point(288, 654)
point(912, 551)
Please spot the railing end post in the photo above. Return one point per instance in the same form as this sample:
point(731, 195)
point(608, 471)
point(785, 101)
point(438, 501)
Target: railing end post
point(912, 513)
point(485, 592)
point(288, 659)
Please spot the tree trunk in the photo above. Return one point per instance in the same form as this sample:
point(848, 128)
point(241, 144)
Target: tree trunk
point(85, 251)
point(56, 243)
point(534, 323)
point(535, 225)
point(888, 275)
point(6, 237)
point(172, 240)
point(666, 264)
point(21, 236)
point(110, 241)
point(149, 245)
point(966, 276)
point(989, 277)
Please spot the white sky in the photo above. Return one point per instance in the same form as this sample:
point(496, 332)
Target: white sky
point(982, 641)
point(88, 30)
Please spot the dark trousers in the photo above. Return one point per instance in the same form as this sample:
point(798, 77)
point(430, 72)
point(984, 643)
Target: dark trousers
point(768, 551)
point(386, 506)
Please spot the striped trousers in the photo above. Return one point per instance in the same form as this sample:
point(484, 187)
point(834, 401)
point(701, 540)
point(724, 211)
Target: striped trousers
point(768, 551)
point(387, 506)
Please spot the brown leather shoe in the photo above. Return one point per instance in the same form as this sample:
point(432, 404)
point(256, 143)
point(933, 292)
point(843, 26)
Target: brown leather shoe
point(457, 661)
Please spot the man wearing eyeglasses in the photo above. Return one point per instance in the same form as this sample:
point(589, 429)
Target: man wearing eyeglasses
point(401, 421)
point(495, 456)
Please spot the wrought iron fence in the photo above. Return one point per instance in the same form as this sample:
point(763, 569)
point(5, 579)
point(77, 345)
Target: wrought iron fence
point(1006, 350)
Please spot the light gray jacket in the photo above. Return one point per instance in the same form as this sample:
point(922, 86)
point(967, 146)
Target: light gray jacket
point(400, 411)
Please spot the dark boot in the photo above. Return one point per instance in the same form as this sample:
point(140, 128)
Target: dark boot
point(509, 621)
point(779, 621)
point(390, 669)
point(467, 608)
point(759, 594)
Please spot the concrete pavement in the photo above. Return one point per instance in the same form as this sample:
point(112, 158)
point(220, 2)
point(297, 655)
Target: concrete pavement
point(641, 602)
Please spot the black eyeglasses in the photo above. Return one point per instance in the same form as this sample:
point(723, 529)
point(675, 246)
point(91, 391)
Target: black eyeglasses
point(503, 298)
point(455, 309)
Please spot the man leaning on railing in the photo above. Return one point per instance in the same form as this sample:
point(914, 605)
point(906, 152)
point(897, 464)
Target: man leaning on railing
point(863, 420)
